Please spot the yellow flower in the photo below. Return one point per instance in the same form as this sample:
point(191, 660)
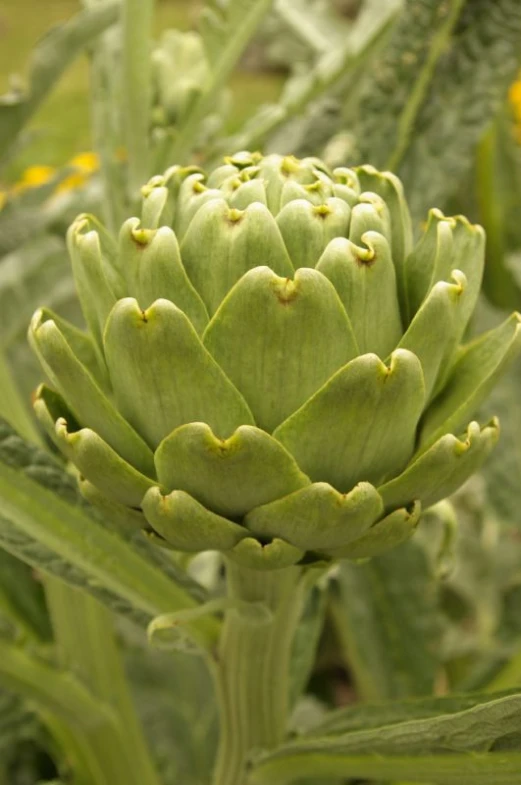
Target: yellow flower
point(33, 177)
point(514, 97)
point(3, 198)
point(85, 164)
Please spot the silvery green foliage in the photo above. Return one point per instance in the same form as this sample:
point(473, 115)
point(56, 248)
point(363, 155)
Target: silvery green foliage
point(409, 120)
point(272, 368)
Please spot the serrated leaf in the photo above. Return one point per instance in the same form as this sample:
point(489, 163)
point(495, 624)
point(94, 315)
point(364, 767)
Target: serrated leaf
point(385, 615)
point(434, 130)
point(394, 95)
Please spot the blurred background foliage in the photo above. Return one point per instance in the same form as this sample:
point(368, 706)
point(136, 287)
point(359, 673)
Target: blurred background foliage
point(61, 129)
point(432, 92)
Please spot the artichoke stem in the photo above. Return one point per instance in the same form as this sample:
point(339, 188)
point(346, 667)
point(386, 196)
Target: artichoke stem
point(252, 671)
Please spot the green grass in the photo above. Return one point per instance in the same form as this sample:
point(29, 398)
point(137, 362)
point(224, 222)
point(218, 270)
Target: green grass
point(61, 127)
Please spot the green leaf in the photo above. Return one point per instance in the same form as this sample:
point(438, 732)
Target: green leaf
point(58, 692)
point(430, 335)
point(408, 119)
point(378, 715)
point(385, 615)
point(448, 748)
point(162, 375)
point(318, 517)
point(365, 281)
point(477, 369)
point(150, 260)
point(223, 243)
point(49, 60)
point(84, 396)
point(94, 291)
point(273, 555)
point(17, 722)
point(400, 83)
point(279, 340)
point(21, 598)
point(445, 769)
point(308, 228)
point(443, 468)
point(361, 424)
point(390, 189)
point(395, 529)
point(101, 465)
point(228, 476)
point(49, 532)
point(188, 526)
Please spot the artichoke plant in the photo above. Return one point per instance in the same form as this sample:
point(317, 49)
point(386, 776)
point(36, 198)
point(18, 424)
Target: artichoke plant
point(272, 367)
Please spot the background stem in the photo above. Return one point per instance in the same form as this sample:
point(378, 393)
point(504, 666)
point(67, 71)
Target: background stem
point(87, 646)
point(138, 16)
point(253, 667)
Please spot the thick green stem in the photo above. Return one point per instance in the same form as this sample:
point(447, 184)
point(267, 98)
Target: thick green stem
point(138, 18)
point(252, 672)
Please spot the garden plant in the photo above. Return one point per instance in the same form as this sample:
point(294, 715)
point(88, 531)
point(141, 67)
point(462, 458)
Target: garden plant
point(260, 422)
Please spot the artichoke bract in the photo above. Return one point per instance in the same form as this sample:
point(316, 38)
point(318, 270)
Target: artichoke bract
point(272, 367)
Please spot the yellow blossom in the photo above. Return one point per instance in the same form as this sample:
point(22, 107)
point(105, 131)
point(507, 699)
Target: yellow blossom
point(33, 177)
point(514, 97)
point(84, 164)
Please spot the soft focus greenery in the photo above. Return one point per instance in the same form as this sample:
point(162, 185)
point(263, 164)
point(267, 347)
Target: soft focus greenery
point(61, 128)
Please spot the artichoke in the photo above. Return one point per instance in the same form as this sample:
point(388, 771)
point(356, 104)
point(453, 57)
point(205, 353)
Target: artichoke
point(272, 367)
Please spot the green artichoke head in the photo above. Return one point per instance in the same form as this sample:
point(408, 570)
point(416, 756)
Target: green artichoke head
point(272, 367)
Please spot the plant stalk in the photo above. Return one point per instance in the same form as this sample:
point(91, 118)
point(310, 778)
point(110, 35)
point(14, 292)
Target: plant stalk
point(252, 671)
point(87, 645)
point(138, 17)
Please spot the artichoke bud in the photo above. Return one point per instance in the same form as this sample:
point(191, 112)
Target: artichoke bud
point(270, 367)
point(179, 69)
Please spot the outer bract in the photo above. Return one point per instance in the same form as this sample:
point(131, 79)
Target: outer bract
point(272, 368)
